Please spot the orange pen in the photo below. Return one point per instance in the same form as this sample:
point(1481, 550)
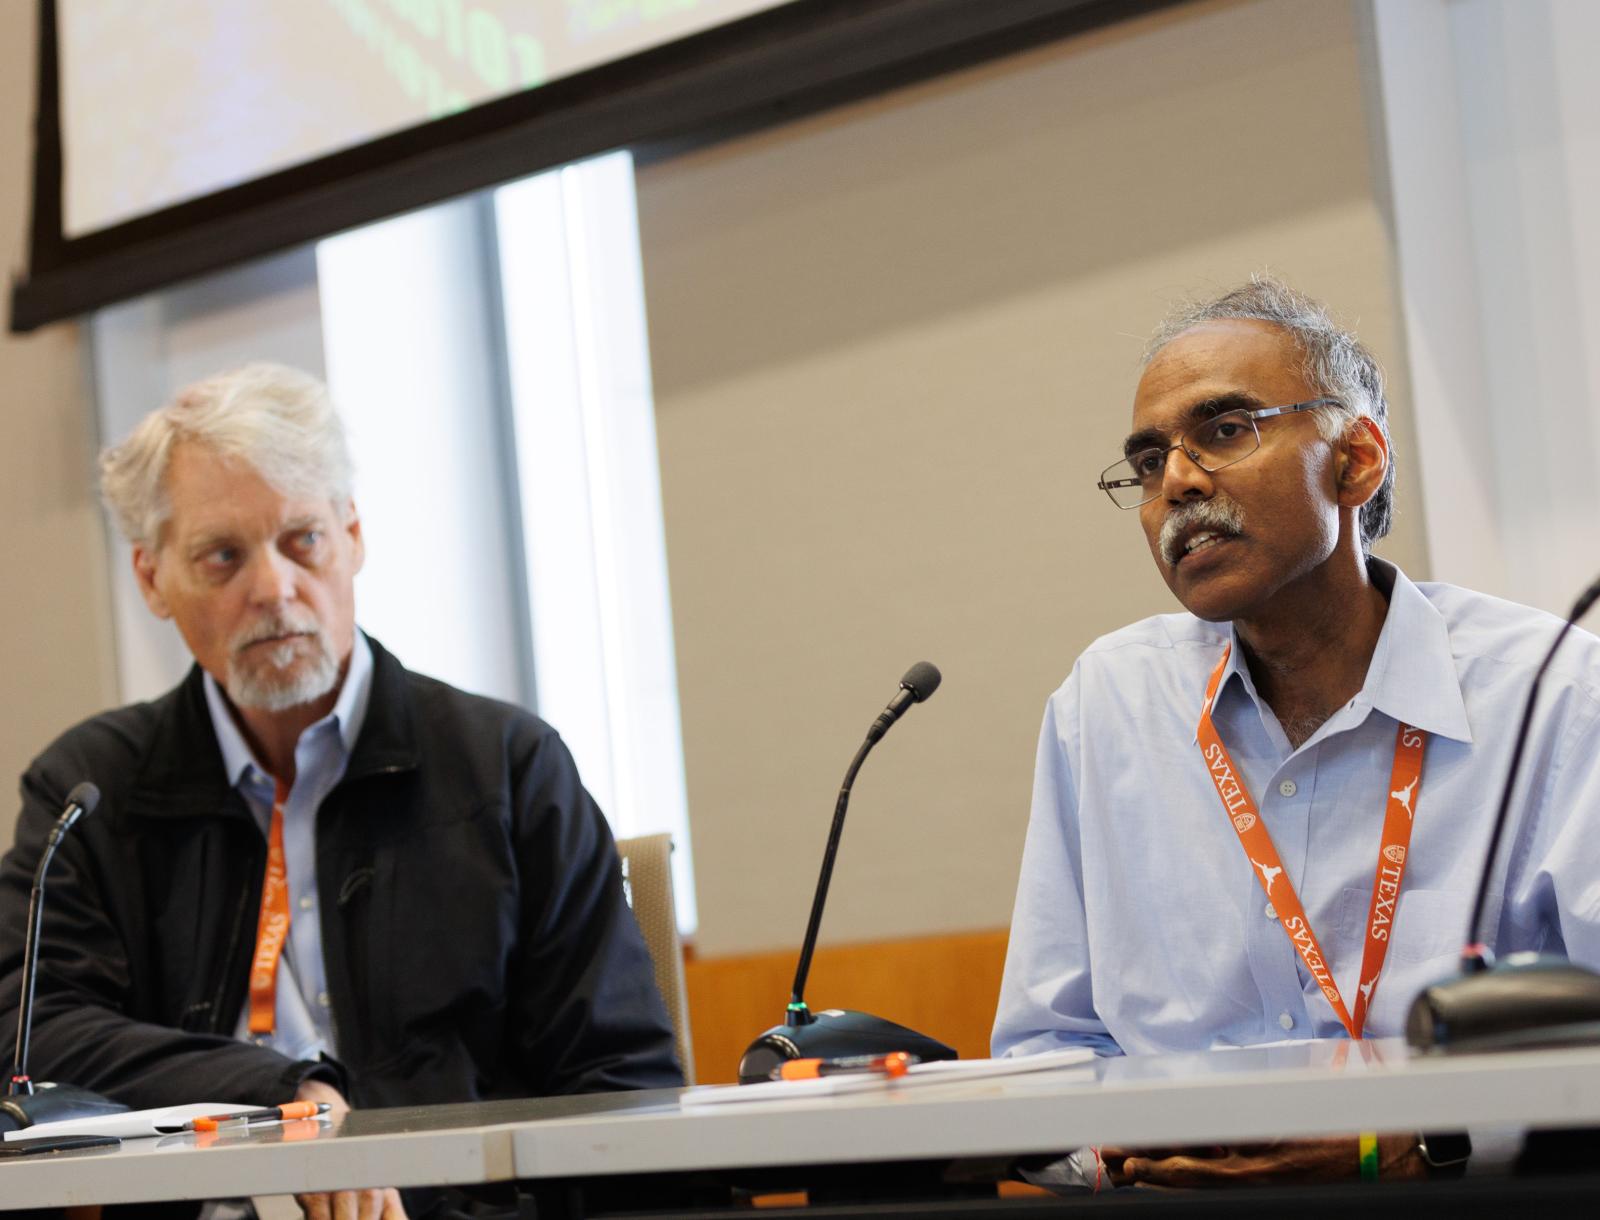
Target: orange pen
point(271, 1114)
point(893, 1064)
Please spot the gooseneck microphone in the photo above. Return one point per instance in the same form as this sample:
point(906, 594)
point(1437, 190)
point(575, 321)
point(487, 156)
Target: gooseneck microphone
point(921, 680)
point(23, 1106)
point(839, 1032)
point(1530, 999)
point(80, 803)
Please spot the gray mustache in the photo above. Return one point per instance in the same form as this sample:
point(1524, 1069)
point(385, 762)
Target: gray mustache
point(1218, 513)
point(268, 628)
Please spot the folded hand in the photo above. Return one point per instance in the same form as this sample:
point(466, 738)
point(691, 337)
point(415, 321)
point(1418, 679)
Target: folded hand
point(345, 1204)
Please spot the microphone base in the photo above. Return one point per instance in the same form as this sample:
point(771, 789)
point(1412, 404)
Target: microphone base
point(1528, 1000)
point(833, 1034)
point(53, 1103)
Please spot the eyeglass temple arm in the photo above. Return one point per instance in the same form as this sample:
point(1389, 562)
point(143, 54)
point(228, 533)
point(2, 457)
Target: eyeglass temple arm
point(1269, 412)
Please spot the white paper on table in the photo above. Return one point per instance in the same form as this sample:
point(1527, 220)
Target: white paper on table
point(131, 1124)
point(938, 1071)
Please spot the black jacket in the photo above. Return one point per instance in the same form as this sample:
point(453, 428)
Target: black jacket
point(476, 938)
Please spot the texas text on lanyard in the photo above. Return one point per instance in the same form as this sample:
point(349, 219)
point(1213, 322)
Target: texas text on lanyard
point(1404, 783)
point(272, 929)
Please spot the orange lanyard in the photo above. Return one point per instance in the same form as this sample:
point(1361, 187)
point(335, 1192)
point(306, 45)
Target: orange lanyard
point(273, 927)
point(1404, 784)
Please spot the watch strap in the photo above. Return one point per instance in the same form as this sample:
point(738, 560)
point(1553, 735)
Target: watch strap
point(1445, 1153)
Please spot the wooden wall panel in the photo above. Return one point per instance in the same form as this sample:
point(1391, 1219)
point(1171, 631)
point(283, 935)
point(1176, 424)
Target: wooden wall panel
point(943, 986)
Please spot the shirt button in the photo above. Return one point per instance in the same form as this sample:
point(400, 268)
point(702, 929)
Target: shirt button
point(1288, 787)
point(326, 1001)
point(1285, 1020)
point(307, 902)
point(1270, 911)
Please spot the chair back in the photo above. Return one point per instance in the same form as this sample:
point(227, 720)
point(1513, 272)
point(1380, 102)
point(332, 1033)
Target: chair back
point(647, 881)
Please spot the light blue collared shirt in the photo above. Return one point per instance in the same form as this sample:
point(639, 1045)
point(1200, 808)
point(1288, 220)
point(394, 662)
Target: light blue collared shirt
point(304, 1025)
point(1140, 925)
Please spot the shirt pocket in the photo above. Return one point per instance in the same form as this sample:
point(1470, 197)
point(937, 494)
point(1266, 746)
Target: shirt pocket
point(1427, 923)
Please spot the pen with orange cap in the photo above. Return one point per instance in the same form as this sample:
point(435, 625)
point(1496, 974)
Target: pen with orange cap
point(269, 1114)
point(896, 1063)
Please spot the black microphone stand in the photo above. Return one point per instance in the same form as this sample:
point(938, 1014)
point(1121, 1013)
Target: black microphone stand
point(798, 1013)
point(837, 1032)
point(1529, 999)
point(26, 1105)
point(20, 1082)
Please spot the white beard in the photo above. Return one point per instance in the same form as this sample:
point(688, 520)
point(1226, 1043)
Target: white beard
point(283, 675)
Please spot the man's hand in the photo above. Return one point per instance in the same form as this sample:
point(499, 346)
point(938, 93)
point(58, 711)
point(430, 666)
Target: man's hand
point(353, 1205)
point(321, 1091)
point(1279, 1161)
point(345, 1204)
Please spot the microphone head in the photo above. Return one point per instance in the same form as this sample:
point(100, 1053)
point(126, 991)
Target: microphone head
point(85, 796)
point(922, 679)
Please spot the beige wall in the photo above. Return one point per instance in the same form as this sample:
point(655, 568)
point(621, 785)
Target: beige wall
point(893, 346)
point(56, 662)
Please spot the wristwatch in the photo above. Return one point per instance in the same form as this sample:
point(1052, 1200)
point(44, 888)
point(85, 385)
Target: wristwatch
point(1445, 1153)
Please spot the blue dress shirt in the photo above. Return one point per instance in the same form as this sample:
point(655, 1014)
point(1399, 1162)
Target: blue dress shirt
point(304, 1025)
point(1141, 926)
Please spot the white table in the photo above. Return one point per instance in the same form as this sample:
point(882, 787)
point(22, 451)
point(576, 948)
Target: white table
point(1299, 1090)
point(1306, 1089)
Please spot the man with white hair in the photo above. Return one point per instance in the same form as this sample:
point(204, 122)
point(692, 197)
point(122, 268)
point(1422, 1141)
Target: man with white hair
point(313, 873)
point(1265, 818)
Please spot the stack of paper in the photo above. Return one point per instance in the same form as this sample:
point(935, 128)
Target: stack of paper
point(942, 1071)
point(130, 1124)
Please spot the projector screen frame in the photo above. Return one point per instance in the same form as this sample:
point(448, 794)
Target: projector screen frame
point(759, 71)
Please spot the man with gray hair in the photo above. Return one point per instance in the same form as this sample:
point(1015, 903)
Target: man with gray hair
point(314, 873)
point(1264, 819)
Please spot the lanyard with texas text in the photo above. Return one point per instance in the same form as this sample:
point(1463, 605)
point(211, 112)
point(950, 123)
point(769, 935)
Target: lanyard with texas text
point(273, 927)
point(1404, 782)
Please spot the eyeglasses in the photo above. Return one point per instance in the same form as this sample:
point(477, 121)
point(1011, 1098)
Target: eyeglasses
point(1135, 479)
